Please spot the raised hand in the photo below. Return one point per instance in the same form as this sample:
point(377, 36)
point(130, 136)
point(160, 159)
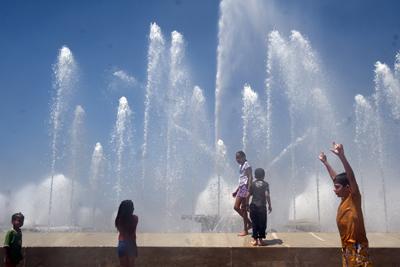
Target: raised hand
point(331, 171)
point(322, 157)
point(337, 149)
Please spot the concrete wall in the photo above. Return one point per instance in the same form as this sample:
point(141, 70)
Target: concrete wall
point(192, 256)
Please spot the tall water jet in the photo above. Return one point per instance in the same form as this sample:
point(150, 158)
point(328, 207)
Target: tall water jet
point(76, 154)
point(153, 105)
point(200, 140)
point(215, 198)
point(199, 123)
point(249, 99)
point(389, 87)
point(220, 160)
point(122, 141)
point(65, 76)
point(254, 126)
point(97, 168)
point(397, 66)
point(224, 188)
point(294, 63)
point(242, 27)
point(178, 97)
point(365, 131)
point(381, 82)
point(268, 89)
point(219, 82)
point(387, 103)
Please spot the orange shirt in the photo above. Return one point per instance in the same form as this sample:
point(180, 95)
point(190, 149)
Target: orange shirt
point(350, 221)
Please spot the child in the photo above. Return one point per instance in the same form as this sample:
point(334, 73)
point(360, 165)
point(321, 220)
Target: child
point(126, 223)
point(13, 241)
point(242, 192)
point(258, 210)
point(349, 216)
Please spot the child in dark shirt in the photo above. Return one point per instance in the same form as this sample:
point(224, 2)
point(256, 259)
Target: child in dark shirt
point(13, 241)
point(259, 191)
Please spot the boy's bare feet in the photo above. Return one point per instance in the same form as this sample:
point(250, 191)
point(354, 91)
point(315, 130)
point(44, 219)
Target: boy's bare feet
point(254, 242)
point(260, 242)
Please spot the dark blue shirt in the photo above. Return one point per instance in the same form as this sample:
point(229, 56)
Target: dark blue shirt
point(259, 190)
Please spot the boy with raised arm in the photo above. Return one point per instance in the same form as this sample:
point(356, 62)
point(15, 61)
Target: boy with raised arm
point(349, 216)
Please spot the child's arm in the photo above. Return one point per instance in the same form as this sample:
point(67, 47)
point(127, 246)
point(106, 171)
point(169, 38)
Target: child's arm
point(7, 252)
point(268, 199)
point(7, 249)
point(338, 150)
point(135, 223)
point(250, 192)
point(331, 171)
point(235, 192)
point(249, 174)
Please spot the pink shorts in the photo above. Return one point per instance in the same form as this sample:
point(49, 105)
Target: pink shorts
point(242, 192)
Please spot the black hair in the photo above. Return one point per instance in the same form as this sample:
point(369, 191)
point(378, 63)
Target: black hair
point(124, 219)
point(259, 173)
point(241, 154)
point(341, 178)
point(18, 215)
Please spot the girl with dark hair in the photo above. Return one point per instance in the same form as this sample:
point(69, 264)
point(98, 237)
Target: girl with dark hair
point(349, 218)
point(241, 194)
point(126, 223)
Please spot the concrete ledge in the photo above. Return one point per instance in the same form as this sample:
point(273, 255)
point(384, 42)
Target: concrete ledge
point(300, 249)
point(192, 256)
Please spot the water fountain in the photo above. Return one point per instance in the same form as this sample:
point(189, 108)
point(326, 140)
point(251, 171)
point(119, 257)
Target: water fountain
point(272, 100)
point(121, 140)
point(153, 103)
point(181, 178)
point(65, 75)
point(76, 156)
point(97, 172)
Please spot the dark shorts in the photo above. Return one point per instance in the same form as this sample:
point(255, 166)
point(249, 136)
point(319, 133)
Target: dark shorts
point(127, 248)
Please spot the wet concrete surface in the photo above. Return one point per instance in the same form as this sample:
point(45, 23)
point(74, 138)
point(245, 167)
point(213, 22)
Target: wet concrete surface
point(200, 249)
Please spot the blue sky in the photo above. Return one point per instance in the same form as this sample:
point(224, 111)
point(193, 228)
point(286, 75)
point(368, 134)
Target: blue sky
point(104, 36)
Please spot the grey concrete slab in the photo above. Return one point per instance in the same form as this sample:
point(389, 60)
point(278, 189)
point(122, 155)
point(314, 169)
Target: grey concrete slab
point(101, 239)
point(298, 249)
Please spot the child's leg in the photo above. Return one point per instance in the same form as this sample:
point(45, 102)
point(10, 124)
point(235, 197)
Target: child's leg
point(246, 221)
point(262, 224)
point(240, 208)
point(124, 261)
point(9, 264)
point(236, 207)
point(132, 261)
point(253, 217)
